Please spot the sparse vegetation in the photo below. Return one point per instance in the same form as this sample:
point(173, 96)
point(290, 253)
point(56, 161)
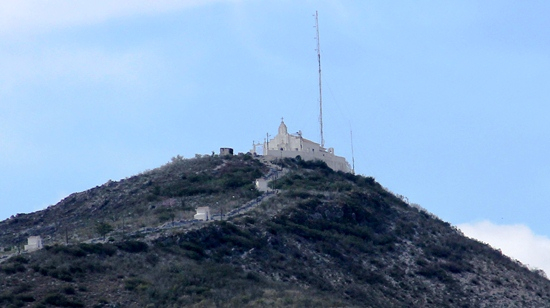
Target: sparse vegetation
point(327, 239)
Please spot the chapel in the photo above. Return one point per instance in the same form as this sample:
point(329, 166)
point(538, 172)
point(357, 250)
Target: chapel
point(292, 145)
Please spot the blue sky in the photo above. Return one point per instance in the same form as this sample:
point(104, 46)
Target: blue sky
point(447, 100)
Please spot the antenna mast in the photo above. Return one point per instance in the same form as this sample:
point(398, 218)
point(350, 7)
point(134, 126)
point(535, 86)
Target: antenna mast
point(320, 91)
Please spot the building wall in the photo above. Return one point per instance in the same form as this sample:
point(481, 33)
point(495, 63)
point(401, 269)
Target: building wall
point(336, 163)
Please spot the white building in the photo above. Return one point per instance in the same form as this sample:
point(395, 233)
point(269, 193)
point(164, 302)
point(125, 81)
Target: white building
point(261, 185)
point(33, 243)
point(203, 213)
point(287, 145)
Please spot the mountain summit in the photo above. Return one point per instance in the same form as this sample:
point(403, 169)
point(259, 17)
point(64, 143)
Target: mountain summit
point(316, 238)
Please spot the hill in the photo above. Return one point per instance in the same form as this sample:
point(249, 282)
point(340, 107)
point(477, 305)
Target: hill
point(326, 239)
point(169, 193)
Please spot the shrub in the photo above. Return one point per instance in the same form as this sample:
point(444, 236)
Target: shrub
point(302, 194)
point(249, 220)
point(152, 259)
point(103, 228)
point(19, 259)
point(60, 300)
point(6, 298)
point(192, 250)
point(26, 298)
point(438, 251)
point(253, 276)
point(433, 271)
point(61, 274)
point(133, 246)
point(133, 284)
point(13, 268)
point(22, 289)
point(164, 215)
point(374, 277)
point(457, 267)
point(98, 249)
point(314, 164)
point(69, 290)
point(71, 250)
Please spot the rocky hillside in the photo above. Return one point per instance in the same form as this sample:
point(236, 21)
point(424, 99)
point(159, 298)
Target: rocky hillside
point(327, 239)
point(152, 198)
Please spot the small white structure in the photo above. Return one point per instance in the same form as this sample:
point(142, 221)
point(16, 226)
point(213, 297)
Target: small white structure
point(203, 213)
point(292, 145)
point(261, 185)
point(33, 243)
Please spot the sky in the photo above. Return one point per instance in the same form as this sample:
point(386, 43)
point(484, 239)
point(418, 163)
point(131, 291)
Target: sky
point(447, 101)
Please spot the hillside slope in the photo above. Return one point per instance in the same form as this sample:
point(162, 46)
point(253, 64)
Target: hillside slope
point(168, 193)
point(326, 239)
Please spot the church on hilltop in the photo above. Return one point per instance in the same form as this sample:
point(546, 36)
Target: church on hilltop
point(292, 145)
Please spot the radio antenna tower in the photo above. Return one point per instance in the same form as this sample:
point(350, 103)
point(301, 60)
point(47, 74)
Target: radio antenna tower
point(320, 90)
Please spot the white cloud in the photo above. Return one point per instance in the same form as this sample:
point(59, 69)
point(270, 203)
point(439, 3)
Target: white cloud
point(516, 241)
point(18, 16)
point(30, 60)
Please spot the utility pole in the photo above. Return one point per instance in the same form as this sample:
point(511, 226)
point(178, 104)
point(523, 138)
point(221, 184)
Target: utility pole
point(320, 83)
point(352, 155)
point(123, 226)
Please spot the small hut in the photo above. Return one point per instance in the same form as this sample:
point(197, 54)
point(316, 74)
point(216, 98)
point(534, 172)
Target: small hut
point(203, 213)
point(226, 151)
point(33, 243)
